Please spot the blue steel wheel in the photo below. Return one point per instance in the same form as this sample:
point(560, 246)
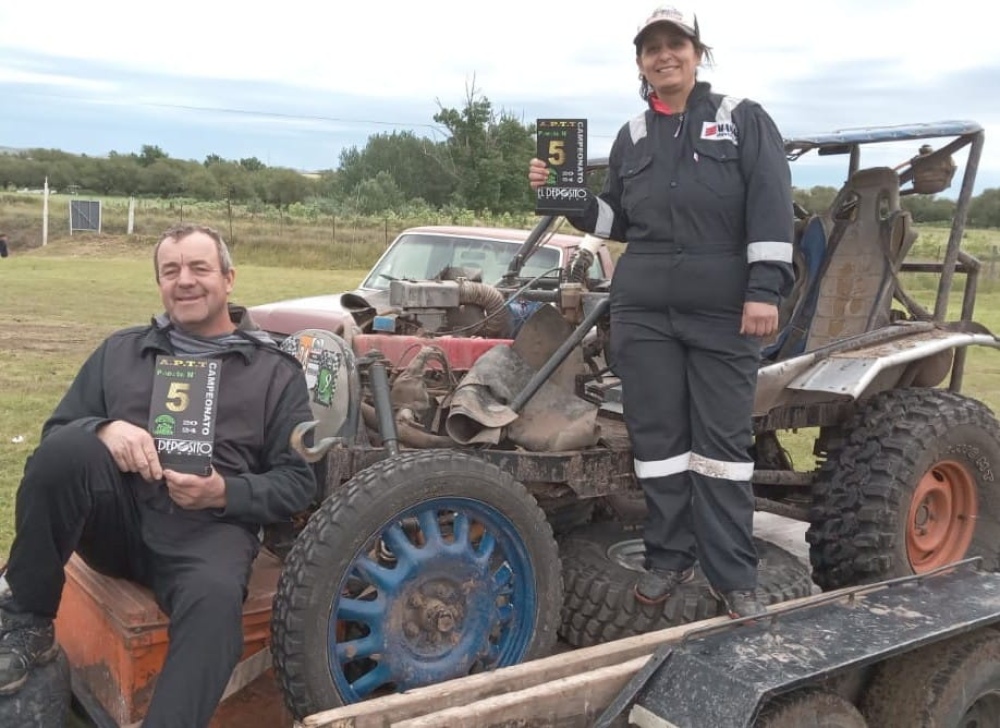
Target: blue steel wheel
point(425, 567)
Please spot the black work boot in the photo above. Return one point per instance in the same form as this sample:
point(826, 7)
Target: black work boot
point(740, 603)
point(26, 640)
point(656, 585)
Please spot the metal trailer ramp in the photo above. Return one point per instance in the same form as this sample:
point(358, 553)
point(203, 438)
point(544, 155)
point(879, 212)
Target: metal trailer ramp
point(722, 675)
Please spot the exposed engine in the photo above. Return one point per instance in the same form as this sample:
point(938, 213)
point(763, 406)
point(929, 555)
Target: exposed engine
point(470, 363)
point(458, 307)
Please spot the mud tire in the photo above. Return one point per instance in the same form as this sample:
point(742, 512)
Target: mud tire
point(954, 683)
point(860, 518)
point(814, 708)
point(600, 604)
point(566, 514)
point(333, 554)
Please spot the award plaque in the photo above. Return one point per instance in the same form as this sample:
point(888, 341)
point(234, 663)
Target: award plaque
point(182, 412)
point(562, 145)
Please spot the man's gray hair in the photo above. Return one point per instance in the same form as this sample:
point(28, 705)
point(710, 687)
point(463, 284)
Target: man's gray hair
point(179, 232)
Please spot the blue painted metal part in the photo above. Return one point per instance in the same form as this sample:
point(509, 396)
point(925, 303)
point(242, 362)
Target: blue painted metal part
point(386, 323)
point(871, 135)
point(813, 247)
point(444, 590)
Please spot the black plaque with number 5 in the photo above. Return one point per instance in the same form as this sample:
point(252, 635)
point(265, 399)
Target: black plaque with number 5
point(182, 412)
point(562, 145)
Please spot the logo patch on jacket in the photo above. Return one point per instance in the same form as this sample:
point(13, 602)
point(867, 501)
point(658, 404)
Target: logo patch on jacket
point(719, 131)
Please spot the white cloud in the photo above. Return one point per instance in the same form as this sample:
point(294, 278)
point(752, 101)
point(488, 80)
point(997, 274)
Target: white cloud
point(816, 67)
point(73, 83)
point(396, 47)
point(524, 47)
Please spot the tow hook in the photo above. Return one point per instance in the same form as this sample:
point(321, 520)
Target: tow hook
point(314, 453)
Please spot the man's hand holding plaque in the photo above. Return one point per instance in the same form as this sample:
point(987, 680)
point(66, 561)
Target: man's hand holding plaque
point(182, 413)
point(562, 151)
point(132, 448)
point(193, 492)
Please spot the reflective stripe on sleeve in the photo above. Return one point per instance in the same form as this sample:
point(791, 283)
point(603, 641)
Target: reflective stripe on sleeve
point(724, 114)
point(662, 468)
point(738, 471)
point(637, 127)
point(769, 251)
point(605, 219)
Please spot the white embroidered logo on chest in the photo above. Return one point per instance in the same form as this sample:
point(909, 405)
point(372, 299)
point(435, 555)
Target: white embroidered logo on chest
point(719, 131)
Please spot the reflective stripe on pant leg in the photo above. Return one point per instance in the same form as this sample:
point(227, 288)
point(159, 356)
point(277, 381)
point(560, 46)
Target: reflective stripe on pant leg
point(722, 375)
point(650, 363)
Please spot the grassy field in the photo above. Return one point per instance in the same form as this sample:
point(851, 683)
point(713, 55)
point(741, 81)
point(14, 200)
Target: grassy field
point(303, 235)
point(58, 302)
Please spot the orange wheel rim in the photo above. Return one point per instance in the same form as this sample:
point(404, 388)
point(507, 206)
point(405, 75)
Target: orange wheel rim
point(942, 518)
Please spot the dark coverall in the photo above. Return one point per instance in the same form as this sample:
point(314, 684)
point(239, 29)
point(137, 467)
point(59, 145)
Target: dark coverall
point(197, 562)
point(703, 200)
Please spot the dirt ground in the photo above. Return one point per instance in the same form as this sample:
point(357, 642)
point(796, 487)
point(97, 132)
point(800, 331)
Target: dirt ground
point(83, 245)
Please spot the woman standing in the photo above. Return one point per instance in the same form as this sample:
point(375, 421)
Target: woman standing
point(699, 187)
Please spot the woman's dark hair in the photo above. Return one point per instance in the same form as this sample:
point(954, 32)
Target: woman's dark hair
point(706, 58)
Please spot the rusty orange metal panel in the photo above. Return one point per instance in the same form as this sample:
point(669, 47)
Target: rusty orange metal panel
point(116, 638)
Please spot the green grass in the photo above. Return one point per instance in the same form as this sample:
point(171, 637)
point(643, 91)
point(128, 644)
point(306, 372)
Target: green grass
point(303, 235)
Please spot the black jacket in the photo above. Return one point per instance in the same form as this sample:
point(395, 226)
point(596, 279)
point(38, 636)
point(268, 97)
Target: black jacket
point(262, 396)
point(713, 179)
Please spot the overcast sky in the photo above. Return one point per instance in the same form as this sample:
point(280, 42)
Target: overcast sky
point(295, 82)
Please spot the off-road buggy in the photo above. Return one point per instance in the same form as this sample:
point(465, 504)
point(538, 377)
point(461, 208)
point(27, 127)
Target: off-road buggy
point(452, 461)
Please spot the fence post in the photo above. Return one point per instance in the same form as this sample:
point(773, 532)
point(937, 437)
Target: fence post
point(45, 213)
point(991, 271)
point(354, 239)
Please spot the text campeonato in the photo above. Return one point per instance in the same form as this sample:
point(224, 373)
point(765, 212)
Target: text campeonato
point(206, 427)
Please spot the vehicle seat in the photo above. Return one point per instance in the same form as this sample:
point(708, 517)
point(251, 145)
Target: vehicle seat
point(809, 249)
point(867, 237)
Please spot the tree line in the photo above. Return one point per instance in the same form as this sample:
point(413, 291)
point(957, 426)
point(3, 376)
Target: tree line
point(479, 165)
